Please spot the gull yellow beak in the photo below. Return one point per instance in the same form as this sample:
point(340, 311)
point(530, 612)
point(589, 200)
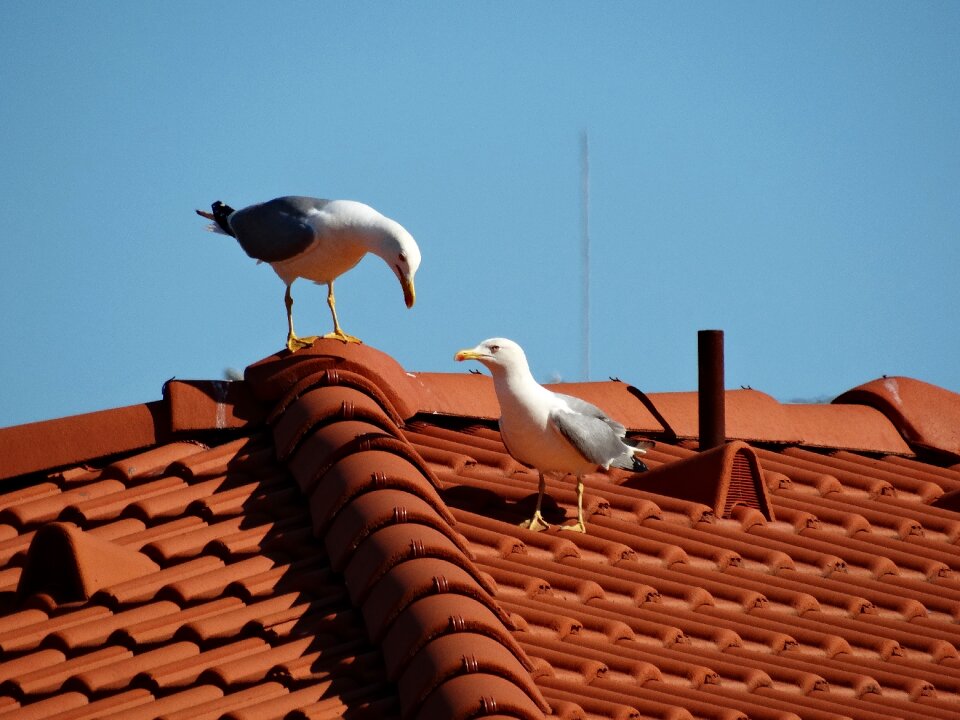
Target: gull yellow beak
point(409, 292)
point(467, 355)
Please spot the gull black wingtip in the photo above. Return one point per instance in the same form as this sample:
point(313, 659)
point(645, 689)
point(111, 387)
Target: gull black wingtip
point(221, 212)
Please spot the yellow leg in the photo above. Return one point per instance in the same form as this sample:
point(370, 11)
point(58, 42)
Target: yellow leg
point(338, 333)
point(537, 523)
point(294, 343)
point(580, 526)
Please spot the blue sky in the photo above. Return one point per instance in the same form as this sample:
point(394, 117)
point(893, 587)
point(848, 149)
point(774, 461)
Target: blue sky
point(787, 172)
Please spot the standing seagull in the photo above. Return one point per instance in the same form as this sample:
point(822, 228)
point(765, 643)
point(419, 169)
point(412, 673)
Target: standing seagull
point(550, 431)
point(318, 240)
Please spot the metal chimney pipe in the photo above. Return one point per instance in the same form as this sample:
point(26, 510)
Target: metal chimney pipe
point(711, 396)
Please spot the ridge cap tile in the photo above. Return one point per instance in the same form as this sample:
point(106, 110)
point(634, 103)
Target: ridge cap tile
point(374, 510)
point(328, 464)
point(926, 415)
point(322, 406)
point(755, 416)
point(478, 695)
point(360, 472)
point(393, 544)
point(411, 580)
point(273, 376)
point(351, 383)
point(449, 655)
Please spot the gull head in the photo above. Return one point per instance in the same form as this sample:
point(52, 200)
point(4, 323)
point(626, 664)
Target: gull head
point(497, 354)
point(402, 254)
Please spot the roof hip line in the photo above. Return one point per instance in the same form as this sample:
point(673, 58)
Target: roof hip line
point(375, 505)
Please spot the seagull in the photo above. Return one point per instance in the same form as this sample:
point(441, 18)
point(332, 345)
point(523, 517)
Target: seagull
point(318, 240)
point(549, 431)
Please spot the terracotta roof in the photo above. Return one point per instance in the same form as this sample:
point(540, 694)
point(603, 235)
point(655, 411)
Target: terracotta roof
point(335, 536)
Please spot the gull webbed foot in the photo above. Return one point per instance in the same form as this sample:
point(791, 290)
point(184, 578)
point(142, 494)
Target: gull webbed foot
point(295, 343)
point(536, 523)
point(342, 336)
point(579, 527)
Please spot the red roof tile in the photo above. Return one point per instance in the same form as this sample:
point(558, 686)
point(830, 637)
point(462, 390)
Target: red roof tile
point(926, 415)
point(337, 537)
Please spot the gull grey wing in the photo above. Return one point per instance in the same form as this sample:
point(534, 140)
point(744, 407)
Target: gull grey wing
point(585, 408)
point(275, 230)
point(591, 436)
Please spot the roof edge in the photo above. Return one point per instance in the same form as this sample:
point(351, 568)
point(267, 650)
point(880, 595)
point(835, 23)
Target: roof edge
point(75, 439)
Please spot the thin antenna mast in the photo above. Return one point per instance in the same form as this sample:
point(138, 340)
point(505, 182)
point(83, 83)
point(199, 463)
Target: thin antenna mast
point(585, 249)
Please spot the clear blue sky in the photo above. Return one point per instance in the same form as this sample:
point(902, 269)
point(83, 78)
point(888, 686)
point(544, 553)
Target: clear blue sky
point(789, 173)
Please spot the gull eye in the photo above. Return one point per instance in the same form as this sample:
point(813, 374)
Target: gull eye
point(403, 257)
point(494, 348)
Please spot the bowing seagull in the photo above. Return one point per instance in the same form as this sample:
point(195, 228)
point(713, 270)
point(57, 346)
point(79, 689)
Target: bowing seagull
point(550, 431)
point(318, 240)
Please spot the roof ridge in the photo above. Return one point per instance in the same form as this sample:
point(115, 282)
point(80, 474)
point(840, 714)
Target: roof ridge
point(926, 415)
point(374, 504)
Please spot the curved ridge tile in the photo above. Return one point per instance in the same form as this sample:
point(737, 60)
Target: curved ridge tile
point(374, 503)
point(325, 447)
point(478, 695)
point(394, 544)
point(310, 465)
point(376, 509)
point(436, 615)
point(460, 654)
point(271, 378)
point(322, 405)
point(411, 580)
point(926, 415)
point(335, 377)
point(362, 472)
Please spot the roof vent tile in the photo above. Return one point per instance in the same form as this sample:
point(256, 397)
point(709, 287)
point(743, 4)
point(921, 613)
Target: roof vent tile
point(85, 563)
point(721, 478)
